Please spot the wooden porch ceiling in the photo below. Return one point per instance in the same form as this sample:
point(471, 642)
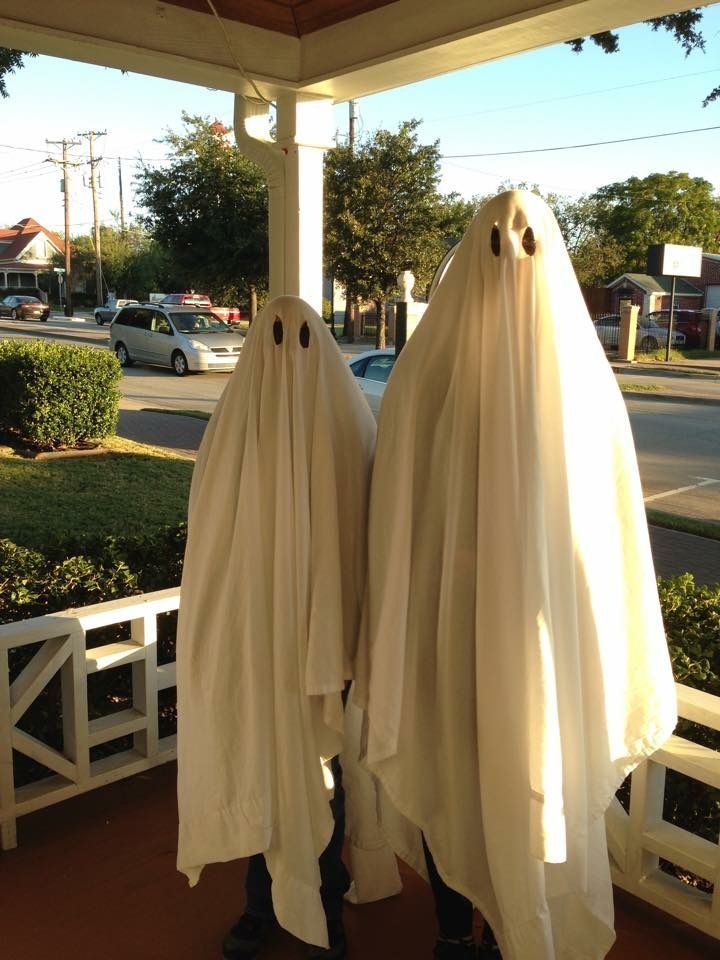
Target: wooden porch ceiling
point(331, 48)
point(296, 18)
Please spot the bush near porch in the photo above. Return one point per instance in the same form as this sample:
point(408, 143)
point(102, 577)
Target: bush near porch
point(54, 395)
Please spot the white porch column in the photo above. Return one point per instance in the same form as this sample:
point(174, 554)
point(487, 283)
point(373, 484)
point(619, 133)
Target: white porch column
point(294, 167)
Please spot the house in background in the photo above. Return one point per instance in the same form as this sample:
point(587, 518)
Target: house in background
point(653, 293)
point(26, 252)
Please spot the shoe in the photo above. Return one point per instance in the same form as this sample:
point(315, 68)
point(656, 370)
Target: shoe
point(336, 951)
point(455, 950)
point(246, 937)
point(488, 949)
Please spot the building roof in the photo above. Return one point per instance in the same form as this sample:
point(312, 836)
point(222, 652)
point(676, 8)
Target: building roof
point(15, 239)
point(658, 284)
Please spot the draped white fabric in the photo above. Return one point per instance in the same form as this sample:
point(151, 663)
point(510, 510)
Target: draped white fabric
point(271, 597)
point(514, 665)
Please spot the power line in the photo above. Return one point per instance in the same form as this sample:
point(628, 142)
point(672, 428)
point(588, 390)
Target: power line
point(575, 146)
point(570, 96)
point(14, 146)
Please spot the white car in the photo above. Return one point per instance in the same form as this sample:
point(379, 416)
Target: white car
point(372, 370)
point(108, 310)
point(648, 337)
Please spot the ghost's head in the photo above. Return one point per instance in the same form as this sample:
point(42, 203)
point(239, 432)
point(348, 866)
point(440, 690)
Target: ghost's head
point(291, 329)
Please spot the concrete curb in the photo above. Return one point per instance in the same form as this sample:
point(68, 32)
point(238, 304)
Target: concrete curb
point(671, 397)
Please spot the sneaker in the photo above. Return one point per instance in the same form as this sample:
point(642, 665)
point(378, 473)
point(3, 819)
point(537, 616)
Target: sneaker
point(336, 951)
point(245, 939)
point(455, 950)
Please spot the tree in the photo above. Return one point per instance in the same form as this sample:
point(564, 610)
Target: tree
point(134, 264)
point(209, 209)
point(383, 213)
point(10, 61)
point(596, 256)
point(661, 208)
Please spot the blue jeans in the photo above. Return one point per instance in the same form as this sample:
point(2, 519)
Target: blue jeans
point(334, 877)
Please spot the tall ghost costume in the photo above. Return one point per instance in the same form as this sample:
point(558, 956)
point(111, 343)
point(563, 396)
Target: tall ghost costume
point(515, 667)
point(271, 598)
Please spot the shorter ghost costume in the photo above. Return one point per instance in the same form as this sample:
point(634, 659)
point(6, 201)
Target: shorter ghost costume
point(271, 596)
point(514, 667)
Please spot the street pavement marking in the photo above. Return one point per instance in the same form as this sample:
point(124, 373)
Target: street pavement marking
point(704, 482)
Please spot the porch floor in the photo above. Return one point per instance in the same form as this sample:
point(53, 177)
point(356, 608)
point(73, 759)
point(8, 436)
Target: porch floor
point(94, 877)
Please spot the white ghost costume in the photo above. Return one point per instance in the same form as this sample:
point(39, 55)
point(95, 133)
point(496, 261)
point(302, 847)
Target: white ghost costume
point(514, 666)
point(271, 599)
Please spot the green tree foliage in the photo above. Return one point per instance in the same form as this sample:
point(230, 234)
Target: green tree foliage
point(208, 208)
point(383, 213)
point(661, 208)
point(10, 61)
point(133, 263)
point(596, 256)
point(683, 26)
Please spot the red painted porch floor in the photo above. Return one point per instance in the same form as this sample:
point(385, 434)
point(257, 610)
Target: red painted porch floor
point(94, 877)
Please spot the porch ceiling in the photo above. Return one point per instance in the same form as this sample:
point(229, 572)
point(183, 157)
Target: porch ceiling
point(335, 48)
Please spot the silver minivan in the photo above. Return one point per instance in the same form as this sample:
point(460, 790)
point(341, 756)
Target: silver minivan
point(184, 338)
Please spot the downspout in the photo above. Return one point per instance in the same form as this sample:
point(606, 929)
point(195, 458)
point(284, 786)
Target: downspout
point(252, 135)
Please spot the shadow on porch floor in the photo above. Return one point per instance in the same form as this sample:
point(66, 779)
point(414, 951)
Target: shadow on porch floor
point(94, 877)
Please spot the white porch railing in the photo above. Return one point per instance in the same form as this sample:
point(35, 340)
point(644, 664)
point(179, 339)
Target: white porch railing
point(63, 639)
point(636, 840)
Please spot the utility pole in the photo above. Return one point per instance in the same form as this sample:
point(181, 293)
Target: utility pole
point(353, 124)
point(91, 134)
point(350, 306)
point(122, 206)
point(65, 164)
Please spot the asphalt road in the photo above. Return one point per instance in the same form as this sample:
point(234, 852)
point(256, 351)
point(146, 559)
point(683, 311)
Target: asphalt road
point(678, 443)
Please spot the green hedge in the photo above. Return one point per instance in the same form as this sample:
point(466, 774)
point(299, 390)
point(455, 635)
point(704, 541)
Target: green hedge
point(53, 395)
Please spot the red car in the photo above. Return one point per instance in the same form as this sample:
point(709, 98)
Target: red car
point(690, 322)
point(228, 314)
point(24, 308)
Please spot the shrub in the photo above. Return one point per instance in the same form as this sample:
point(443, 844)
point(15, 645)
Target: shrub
point(54, 395)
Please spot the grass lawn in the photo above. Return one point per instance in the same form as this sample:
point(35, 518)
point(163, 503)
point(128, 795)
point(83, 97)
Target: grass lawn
point(131, 489)
point(703, 528)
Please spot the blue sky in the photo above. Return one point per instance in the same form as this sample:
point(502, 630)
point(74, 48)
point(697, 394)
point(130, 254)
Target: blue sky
point(548, 98)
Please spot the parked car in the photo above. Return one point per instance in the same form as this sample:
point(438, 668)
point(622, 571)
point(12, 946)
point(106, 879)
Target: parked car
point(690, 322)
point(648, 337)
point(228, 314)
point(184, 338)
point(24, 308)
point(108, 310)
point(372, 370)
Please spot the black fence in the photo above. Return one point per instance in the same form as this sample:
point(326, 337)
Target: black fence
point(690, 331)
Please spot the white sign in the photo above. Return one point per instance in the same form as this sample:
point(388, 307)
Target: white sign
point(674, 260)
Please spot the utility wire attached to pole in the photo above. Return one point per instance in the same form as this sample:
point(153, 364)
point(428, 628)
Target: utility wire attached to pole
point(91, 134)
point(122, 205)
point(65, 164)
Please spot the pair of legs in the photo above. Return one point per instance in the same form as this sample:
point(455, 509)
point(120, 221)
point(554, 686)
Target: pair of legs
point(454, 914)
point(245, 938)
